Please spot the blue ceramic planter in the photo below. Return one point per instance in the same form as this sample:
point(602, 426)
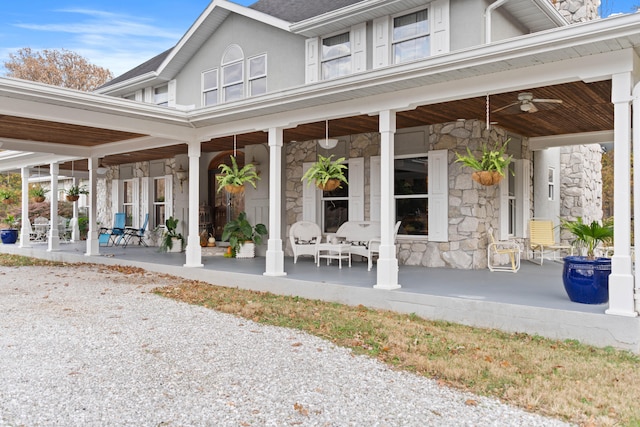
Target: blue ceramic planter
point(587, 281)
point(8, 236)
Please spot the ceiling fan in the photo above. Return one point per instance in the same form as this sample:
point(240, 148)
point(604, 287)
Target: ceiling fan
point(526, 103)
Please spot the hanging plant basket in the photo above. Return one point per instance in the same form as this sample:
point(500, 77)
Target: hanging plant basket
point(73, 198)
point(330, 185)
point(234, 189)
point(487, 177)
point(7, 201)
point(39, 199)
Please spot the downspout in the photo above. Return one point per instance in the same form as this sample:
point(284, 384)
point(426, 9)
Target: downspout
point(635, 140)
point(487, 19)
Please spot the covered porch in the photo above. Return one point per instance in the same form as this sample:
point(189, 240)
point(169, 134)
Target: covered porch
point(532, 301)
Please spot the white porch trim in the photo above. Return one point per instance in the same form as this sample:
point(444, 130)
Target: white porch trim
point(387, 269)
point(26, 225)
point(275, 255)
point(93, 246)
point(54, 238)
point(194, 250)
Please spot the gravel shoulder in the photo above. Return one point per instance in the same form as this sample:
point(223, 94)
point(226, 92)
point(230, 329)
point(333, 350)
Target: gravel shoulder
point(85, 346)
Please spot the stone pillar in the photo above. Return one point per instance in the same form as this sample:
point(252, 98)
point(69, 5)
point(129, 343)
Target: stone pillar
point(275, 254)
point(194, 250)
point(387, 269)
point(621, 280)
point(26, 225)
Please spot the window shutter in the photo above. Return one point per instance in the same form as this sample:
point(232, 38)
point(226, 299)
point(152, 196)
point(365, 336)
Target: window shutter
point(168, 196)
point(359, 43)
point(148, 95)
point(136, 202)
point(439, 27)
point(374, 188)
point(522, 169)
point(139, 97)
point(144, 197)
point(172, 87)
point(116, 191)
point(309, 198)
point(312, 63)
point(381, 42)
point(503, 189)
point(356, 189)
point(438, 196)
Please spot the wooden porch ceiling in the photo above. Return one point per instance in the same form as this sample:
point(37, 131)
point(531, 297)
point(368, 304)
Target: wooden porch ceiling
point(586, 107)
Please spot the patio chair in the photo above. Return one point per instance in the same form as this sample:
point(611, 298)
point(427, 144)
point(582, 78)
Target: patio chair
point(136, 233)
point(113, 236)
point(40, 229)
point(374, 245)
point(542, 240)
point(498, 251)
point(305, 237)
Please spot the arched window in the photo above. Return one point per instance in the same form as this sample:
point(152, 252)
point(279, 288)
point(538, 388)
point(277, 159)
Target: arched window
point(232, 74)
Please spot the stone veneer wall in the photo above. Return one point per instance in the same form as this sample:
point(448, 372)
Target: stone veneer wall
point(473, 208)
point(578, 10)
point(581, 184)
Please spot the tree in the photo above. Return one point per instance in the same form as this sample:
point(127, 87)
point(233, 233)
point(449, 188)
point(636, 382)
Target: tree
point(56, 67)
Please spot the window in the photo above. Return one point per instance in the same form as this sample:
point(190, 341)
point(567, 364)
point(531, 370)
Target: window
point(210, 87)
point(335, 206)
point(551, 184)
point(161, 95)
point(411, 37)
point(336, 56)
point(159, 200)
point(233, 74)
point(411, 194)
point(258, 75)
point(127, 201)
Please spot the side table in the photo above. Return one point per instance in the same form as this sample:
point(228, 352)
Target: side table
point(337, 251)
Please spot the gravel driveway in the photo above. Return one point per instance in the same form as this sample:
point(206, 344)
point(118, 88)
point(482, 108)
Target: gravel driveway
point(84, 346)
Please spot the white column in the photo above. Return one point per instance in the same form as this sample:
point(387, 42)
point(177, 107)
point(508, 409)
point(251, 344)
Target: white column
point(75, 230)
point(194, 251)
point(24, 233)
point(93, 245)
point(621, 280)
point(54, 238)
point(387, 262)
point(636, 188)
point(275, 254)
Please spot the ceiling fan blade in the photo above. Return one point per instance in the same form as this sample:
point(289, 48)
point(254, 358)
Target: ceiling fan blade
point(548, 101)
point(506, 106)
point(532, 108)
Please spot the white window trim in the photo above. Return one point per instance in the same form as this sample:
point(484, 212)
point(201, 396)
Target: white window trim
point(240, 81)
point(551, 184)
point(420, 196)
point(155, 100)
point(251, 78)
point(393, 42)
point(206, 90)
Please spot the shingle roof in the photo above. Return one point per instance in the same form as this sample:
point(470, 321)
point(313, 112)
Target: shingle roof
point(299, 10)
point(151, 65)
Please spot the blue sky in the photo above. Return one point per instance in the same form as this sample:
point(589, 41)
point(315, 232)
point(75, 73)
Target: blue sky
point(118, 34)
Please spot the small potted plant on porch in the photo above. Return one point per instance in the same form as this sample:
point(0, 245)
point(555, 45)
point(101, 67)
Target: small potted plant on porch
point(171, 240)
point(38, 193)
point(242, 236)
point(74, 192)
point(9, 234)
point(327, 174)
point(492, 165)
point(232, 178)
point(586, 277)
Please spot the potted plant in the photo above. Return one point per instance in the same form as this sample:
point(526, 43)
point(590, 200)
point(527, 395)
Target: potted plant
point(38, 193)
point(327, 174)
point(586, 277)
point(232, 178)
point(171, 241)
point(7, 195)
point(74, 192)
point(492, 165)
point(242, 236)
point(9, 234)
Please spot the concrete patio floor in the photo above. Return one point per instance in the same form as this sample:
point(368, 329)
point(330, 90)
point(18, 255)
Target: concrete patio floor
point(531, 301)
